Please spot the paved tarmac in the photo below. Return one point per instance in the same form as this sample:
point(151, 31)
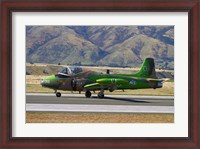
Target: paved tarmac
point(111, 103)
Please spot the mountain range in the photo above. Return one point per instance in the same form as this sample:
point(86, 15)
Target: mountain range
point(117, 46)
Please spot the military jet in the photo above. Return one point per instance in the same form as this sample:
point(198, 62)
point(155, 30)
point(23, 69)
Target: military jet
point(75, 78)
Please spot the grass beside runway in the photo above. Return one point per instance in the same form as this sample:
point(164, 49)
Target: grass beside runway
point(62, 117)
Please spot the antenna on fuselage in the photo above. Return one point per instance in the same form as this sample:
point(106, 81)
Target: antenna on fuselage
point(107, 71)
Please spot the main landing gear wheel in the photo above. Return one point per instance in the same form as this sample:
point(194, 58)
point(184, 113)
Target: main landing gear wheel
point(101, 95)
point(88, 94)
point(58, 94)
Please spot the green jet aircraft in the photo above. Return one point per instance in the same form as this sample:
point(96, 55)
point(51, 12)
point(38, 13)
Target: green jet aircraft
point(74, 78)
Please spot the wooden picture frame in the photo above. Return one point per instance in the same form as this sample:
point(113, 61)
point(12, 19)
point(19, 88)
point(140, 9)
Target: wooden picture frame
point(9, 6)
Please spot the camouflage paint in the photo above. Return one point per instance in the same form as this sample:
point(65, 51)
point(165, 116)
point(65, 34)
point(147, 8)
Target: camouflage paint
point(89, 80)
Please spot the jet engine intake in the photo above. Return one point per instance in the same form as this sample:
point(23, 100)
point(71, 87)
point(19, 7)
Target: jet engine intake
point(159, 84)
point(73, 84)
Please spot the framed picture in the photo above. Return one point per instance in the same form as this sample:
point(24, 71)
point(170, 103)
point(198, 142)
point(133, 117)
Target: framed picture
point(41, 37)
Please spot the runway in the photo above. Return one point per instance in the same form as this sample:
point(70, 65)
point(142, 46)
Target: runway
point(110, 104)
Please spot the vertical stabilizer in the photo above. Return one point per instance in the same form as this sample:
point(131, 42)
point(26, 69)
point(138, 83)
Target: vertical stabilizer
point(147, 70)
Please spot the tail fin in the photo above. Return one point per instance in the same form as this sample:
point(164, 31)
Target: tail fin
point(147, 70)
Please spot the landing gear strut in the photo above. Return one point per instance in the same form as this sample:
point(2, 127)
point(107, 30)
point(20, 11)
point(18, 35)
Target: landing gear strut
point(88, 94)
point(101, 94)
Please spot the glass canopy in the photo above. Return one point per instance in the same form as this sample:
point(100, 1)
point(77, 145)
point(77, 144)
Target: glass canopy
point(71, 70)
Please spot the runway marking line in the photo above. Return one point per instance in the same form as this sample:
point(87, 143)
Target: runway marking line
point(98, 108)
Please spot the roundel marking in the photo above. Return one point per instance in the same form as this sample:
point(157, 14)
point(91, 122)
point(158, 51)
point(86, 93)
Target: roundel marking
point(145, 68)
point(132, 82)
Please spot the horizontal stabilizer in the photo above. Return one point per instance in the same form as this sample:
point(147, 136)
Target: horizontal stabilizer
point(158, 80)
point(163, 80)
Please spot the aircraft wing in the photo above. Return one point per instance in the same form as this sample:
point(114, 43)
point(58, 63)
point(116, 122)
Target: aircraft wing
point(105, 83)
point(98, 86)
point(92, 86)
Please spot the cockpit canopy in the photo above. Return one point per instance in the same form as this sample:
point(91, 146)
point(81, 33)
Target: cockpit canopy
point(71, 70)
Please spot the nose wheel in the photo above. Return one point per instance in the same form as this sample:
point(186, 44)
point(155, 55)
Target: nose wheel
point(88, 94)
point(58, 94)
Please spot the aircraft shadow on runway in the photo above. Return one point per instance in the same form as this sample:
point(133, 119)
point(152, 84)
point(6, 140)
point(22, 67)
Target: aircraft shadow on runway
point(122, 99)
